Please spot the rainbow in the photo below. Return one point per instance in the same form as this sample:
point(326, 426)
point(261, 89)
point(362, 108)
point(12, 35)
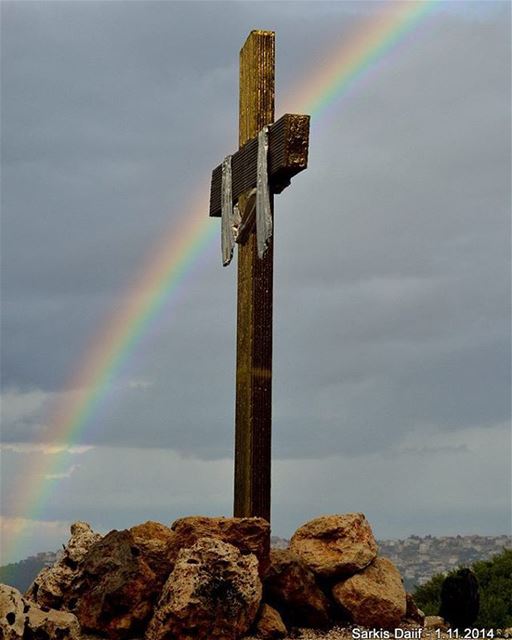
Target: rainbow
point(169, 265)
point(353, 59)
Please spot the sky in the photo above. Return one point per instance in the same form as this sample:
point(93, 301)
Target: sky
point(391, 388)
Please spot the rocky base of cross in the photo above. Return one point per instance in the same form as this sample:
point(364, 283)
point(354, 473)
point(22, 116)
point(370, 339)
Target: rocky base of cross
point(211, 578)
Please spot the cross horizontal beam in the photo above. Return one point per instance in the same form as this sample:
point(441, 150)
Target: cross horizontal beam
point(287, 156)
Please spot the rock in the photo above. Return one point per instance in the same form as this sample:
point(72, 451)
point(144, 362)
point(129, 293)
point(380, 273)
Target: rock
point(270, 624)
point(53, 585)
point(156, 543)
point(213, 592)
point(20, 618)
point(290, 586)
point(335, 546)
point(117, 589)
point(374, 598)
point(435, 622)
point(412, 613)
point(12, 613)
point(50, 624)
point(249, 535)
point(82, 539)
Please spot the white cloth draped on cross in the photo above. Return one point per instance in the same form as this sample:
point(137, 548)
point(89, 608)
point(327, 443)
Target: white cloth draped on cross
point(258, 198)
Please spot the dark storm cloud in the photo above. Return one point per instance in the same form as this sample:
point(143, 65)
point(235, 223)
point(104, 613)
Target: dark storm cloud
point(392, 302)
point(112, 115)
point(96, 155)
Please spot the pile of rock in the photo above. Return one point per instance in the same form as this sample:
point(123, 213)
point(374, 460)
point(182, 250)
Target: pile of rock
point(331, 573)
point(214, 578)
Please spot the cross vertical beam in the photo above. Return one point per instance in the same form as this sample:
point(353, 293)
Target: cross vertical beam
point(253, 414)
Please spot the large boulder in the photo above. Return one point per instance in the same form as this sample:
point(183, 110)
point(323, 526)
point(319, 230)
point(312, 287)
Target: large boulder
point(374, 598)
point(51, 624)
point(157, 545)
point(12, 613)
point(269, 624)
point(249, 535)
point(53, 585)
point(336, 545)
point(21, 618)
point(117, 589)
point(290, 587)
point(213, 592)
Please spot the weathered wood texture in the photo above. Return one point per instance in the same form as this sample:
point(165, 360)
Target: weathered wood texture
point(254, 313)
point(287, 156)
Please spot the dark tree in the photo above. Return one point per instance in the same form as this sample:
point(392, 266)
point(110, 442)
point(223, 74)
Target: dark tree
point(460, 599)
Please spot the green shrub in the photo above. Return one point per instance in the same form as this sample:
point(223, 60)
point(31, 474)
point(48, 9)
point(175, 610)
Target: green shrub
point(428, 595)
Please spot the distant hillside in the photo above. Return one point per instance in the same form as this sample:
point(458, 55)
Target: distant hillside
point(21, 574)
point(279, 543)
point(418, 559)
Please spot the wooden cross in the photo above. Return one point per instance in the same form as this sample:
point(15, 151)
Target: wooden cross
point(287, 155)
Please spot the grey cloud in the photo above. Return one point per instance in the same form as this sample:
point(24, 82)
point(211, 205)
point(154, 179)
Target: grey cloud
point(448, 498)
